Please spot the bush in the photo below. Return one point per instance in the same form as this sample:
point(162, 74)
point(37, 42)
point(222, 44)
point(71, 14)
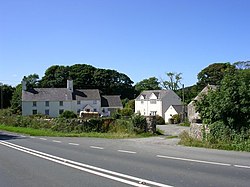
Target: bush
point(68, 114)
point(176, 118)
point(160, 120)
point(140, 123)
point(126, 112)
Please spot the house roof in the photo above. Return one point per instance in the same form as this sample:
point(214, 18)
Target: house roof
point(159, 93)
point(205, 91)
point(111, 101)
point(59, 94)
point(178, 108)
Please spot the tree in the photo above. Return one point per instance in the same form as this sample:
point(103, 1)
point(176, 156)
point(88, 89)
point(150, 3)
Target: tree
point(151, 83)
point(213, 74)
point(16, 101)
point(174, 81)
point(55, 77)
point(7, 92)
point(230, 103)
point(88, 77)
point(31, 81)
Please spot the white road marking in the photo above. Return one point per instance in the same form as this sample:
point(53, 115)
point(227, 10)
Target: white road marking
point(240, 166)
point(94, 147)
point(73, 144)
point(42, 138)
point(124, 151)
point(192, 160)
point(32, 137)
point(56, 141)
point(127, 179)
point(22, 136)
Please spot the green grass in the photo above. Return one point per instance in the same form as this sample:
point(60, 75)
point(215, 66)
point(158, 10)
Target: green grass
point(46, 132)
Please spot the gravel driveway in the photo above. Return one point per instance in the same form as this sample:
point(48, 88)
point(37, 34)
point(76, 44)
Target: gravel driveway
point(172, 130)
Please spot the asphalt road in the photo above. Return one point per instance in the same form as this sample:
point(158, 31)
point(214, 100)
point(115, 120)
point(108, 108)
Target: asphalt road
point(49, 161)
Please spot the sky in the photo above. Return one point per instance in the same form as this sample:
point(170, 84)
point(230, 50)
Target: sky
point(141, 38)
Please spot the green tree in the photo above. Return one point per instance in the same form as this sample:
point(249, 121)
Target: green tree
point(55, 77)
point(230, 103)
point(16, 102)
point(213, 74)
point(89, 77)
point(151, 83)
point(174, 81)
point(31, 81)
point(7, 92)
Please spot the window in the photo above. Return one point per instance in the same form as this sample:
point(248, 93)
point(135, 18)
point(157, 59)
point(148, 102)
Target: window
point(61, 111)
point(153, 101)
point(95, 102)
point(61, 103)
point(78, 102)
point(94, 109)
point(152, 113)
point(78, 111)
point(46, 112)
point(34, 112)
point(46, 103)
point(34, 103)
point(142, 101)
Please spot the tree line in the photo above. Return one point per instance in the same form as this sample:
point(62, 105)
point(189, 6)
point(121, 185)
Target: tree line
point(113, 82)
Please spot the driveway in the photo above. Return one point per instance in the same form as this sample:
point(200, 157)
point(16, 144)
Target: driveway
point(172, 130)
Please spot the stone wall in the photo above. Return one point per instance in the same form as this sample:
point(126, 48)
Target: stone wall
point(151, 124)
point(196, 130)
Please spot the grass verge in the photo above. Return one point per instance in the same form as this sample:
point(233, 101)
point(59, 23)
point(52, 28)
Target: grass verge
point(47, 132)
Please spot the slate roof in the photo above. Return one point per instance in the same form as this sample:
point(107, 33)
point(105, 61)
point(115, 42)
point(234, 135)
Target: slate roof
point(178, 108)
point(60, 94)
point(159, 93)
point(205, 91)
point(111, 101)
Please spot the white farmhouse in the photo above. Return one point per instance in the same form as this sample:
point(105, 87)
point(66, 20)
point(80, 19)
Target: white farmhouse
point(54, 101)
point(156, 102)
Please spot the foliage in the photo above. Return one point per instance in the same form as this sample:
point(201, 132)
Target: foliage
point(174, 81)
point(7, 92)
point(213, 74)
point(230, 103)
point(220, 137)
point(68, 114)
point(31, 81)
point(151, 83)
point(85, 76)
point(130, 104)
point(126, 112)
point(139, 122)
point(16, 103)
point(160, 120)
point(190, 93)
point(176, 118)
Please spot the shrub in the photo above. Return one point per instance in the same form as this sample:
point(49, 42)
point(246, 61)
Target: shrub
point(126, 112)
point(68, 114)
point(160, 120)
point(176, 118)
point(139, 122)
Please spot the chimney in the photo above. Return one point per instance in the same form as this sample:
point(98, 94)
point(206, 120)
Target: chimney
point(70, 85)
point(24, 85)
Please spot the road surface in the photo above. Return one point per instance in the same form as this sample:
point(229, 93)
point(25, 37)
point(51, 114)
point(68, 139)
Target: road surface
point(50, 161)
